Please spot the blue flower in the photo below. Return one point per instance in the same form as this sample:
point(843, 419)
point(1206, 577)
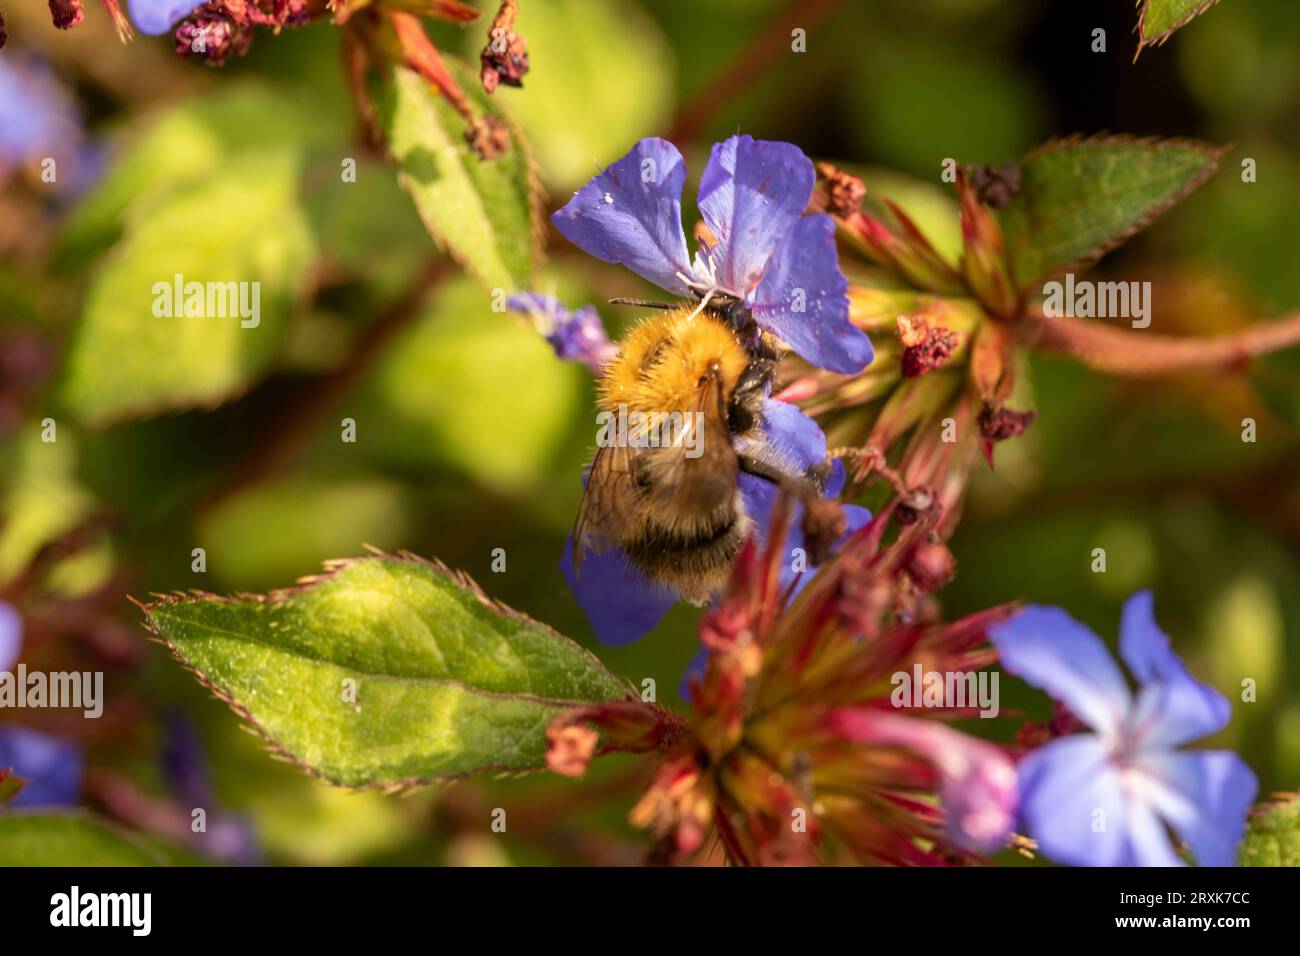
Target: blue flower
point(1105, 798)
point(577, 336)
point(156, 17)
point(38, 119)
point(50, 768)
point(623, 604)
point(782, 264)
point(11, 636)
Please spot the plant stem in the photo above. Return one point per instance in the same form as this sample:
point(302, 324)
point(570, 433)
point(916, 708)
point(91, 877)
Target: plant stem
point(1137, 353)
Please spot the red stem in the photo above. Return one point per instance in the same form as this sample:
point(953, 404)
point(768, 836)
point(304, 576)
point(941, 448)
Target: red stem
point(1137, 353)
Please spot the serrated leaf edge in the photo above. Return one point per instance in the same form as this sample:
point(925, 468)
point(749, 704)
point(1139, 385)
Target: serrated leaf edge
point(1212, 154)
point(536, 195)
point(308, 582)
point(1145, 41)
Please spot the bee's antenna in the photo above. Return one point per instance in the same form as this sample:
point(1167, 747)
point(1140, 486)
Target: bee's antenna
point(644, 303)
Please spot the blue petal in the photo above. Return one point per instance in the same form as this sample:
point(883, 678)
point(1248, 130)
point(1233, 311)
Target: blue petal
point(802, 299)
point(1204, 795)
point(577, 336)
point(39, 119)
point(1173, 706)
point(621, 603)
point(631, 214)
point(51, 767)
point(11, 636)
point(155, 17)
point(751, 193)
point(797, 444)
point(1047, 648)
point(796, 438)
point(1072, 803)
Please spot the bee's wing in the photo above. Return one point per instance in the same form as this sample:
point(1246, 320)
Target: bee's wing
point(706, 478)
point(604, 506)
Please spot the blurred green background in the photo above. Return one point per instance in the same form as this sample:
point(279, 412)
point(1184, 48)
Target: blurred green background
point(471, 436)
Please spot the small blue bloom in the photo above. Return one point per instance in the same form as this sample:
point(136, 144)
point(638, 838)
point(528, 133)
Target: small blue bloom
point(782, 264)
point(577, 336)
point(623, 604)
point(229, 838)
point(156, 17)
point(1105, 798)
point(11, 636)
point(39, 120)
point(52, 768)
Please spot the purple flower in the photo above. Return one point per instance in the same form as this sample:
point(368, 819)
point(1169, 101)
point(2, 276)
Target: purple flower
point(781, 264)
point(156, 17)
point(577, 336)
point(623, 604)
point(228, 837)
point(38, 121)
point(11, 636)
point(50, 768)
point(1105, 798)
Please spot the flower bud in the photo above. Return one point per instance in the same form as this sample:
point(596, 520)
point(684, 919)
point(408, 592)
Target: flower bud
point(66, 14)
point(931, 566)
point(985, 261)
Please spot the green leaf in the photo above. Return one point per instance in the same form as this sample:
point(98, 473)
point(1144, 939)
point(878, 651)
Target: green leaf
point(1160, 18)
point(385, 671)
point(242, 224)
point(616, 75)
point(470, 422)
point(181, 149)
point(484, 211)
point(39, 495)
point(1080, 198)
point(71, 839)
point(1273, 835)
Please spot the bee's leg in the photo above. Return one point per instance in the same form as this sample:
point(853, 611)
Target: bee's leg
point(747, 397)
point(808, 485)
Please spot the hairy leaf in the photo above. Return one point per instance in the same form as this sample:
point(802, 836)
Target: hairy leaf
point(1080, 198)
point(1160, 18)
point(1273, 835)
point(385, 671)
point(484, 210)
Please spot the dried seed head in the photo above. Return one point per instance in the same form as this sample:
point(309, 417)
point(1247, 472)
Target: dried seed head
point(844, 191)
point(66, 14)
point(488, 136)
point(996, 185)
point(505, 57)
point(925, 346)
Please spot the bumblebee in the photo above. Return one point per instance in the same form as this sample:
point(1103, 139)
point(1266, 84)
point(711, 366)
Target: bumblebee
point(674, 506)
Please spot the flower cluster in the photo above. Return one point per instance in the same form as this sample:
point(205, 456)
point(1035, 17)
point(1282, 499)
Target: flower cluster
point(795, 753)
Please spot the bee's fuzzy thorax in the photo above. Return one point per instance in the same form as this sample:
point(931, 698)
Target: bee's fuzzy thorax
point(662, 360)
